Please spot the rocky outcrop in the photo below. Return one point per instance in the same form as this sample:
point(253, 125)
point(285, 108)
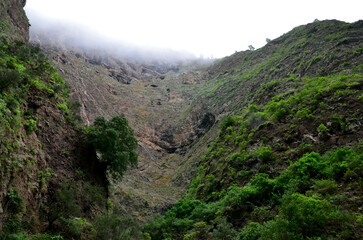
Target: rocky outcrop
point(178, 139)
point(16, 24)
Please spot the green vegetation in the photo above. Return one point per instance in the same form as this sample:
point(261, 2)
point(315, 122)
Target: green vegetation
point(304, 209)
point(279, 167)
point(28, 84)
point(118, 228)
point(63, 107)
point(25, 75)
point(30, 125)
point(115, 140)
point(274, 172)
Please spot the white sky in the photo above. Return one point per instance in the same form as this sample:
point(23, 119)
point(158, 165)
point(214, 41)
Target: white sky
point(207, 27)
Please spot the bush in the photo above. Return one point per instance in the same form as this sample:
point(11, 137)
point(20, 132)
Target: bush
point(184, 208)
point(264, 187)
point(265, 154)
point(16, 203)
point(322, 128)
point(224, 230)
point(300, 218)
point(75, 227)
point(235, 160)
point(310, 165)
point(325, 186)
point(304, 114)
point(63, 107)
point(64, 204)
point(280, 113)
point(30, 125)
point(115, 141)
point(306, 215)
point(12, 227)
point(227, 122)
point(252, 231)
point(200, 231)
point(252, 108)
point(45, 237)
point(9, 78)
point(256, 119)
point(15, 236)
point(341, 161)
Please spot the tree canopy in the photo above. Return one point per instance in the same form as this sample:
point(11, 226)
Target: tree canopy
point(115, 141)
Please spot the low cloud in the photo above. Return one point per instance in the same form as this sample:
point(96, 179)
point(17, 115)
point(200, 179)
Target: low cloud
point(70, 36)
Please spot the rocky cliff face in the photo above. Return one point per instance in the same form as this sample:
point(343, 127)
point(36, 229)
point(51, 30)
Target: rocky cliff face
point(41, 150)
point(153, 97)
point(154, 94)
point(16, 24)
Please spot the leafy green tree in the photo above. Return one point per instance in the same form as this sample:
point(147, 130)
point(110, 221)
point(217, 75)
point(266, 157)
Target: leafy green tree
point(116, 143)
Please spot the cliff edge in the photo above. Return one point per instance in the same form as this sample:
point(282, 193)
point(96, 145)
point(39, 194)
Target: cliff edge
point(15, 23)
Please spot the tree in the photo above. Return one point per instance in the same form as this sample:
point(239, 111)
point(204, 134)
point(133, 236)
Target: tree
point(251, 47)
point(268, 40)
point(116, 143)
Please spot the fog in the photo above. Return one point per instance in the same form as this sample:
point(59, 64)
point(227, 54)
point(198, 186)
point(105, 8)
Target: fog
point(68, 36)
point(203, 27)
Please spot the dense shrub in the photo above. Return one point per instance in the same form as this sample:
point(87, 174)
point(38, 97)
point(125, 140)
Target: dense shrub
point(252, 231)
point(227, 122)
point(65, 204)
point(31, 125)
point(306, 215)
point(224, 230)
point(117, 228)
point(295, 192)
point(74, 228)
point(300, 217)
point(63, 107)
point(12, 226)
point(342, 161)
point(9, 78)
point(265, 154)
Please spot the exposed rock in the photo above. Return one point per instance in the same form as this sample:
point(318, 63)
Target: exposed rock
point(13, 16)
point(120, 76)
point(193, 77)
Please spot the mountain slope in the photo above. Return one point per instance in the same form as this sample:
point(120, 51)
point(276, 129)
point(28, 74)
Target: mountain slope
point(43, 155)
point(151, 91)
point(316, 49)
point(172, 108)
point(272, 137)
point(287, 160)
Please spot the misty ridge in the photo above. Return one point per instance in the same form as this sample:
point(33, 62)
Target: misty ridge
point(84, 42)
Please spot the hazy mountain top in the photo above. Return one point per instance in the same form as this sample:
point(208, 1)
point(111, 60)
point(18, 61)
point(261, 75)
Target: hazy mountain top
point(77, 37)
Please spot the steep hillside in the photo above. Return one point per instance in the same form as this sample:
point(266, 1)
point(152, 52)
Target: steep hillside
point(176, 109)
point(15, 23)
point(152, 92)
point(43, 155)
point(287, 160)
point(316, 49)
point(268, 141)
